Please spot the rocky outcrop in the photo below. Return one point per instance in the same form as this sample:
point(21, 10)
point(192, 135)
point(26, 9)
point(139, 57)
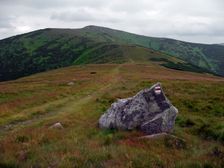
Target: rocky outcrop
point(57, 125)
point(70, 83)
point(149, 111)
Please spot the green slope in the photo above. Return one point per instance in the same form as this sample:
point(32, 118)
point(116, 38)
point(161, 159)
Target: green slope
point(46, 49)
point(210, 57)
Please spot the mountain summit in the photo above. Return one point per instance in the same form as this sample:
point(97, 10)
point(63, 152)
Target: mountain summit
point(50, 48)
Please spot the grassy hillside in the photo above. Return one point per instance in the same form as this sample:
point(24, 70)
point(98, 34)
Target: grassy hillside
point(47, 49)
point(210, 57)
point(30, 105)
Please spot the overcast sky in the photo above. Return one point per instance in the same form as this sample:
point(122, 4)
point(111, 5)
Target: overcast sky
point(189, 20)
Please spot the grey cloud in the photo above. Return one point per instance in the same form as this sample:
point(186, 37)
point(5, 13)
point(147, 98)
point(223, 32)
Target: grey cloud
point(87, 14)
point(78, 15)
point(5, 22)
point(190, 20)
point(43, 4)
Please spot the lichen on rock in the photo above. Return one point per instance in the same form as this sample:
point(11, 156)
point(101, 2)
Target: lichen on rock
point(149, 111)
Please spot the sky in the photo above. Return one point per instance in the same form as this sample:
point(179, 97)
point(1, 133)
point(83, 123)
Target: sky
point(200, 21)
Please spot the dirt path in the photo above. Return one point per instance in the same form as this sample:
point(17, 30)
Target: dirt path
point(69, 105)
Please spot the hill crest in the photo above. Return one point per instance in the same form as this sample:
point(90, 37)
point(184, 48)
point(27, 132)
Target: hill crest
point(52, 48)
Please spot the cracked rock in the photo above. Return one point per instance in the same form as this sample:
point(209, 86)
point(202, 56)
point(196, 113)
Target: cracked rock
point(149, 111)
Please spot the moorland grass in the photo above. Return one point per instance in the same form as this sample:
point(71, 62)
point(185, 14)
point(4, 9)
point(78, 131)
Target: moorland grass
point(31, 143)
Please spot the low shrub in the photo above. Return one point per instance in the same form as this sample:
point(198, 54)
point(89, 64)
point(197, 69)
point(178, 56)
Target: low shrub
point(8, 165)
point(208, 131)
point(22, 139)
point(174, 142)
point(185, 122)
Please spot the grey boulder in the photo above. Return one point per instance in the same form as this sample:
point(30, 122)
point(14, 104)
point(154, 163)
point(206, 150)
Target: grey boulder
point(149, 111)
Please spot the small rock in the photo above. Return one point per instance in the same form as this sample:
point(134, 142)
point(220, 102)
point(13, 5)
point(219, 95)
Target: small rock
point(153, 136)
point(170, 141)
point(71, 83)
point(174, 142)
point(57, 125)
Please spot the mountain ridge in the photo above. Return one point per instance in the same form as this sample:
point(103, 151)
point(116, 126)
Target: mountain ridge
point(164, 45)
point(95, 26)
point(52, 48)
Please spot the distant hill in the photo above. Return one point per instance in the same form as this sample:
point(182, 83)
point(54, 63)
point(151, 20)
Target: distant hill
point(47, 49)
point(210, 57)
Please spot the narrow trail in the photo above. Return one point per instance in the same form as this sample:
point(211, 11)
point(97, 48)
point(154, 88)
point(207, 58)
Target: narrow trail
point(70, 105)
